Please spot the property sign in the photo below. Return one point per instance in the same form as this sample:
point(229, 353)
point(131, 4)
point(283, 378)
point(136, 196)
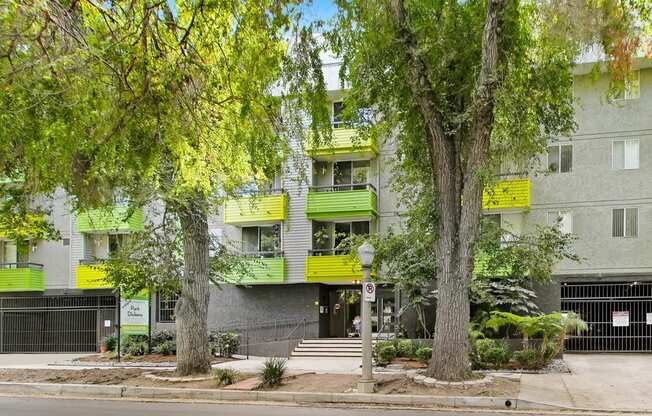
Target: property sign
point(648, 318)
point(620, 318)
point(369, 290)
point(134, 314)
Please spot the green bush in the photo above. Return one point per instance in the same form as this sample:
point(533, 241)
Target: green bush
point(423, 354)
point(224, 344)
point(489, 354)
point(528, 359)
point(167, 347)
point(404, 348)
point(273, 371)
point(161, 336)
point(225, 376)
point(110, 342)
point(134, 345)
point(385, 354)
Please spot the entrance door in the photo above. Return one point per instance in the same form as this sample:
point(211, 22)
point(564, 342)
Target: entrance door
point(344, 308)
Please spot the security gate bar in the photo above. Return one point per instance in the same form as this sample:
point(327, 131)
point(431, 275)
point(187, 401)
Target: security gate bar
point(619, 316)
point(55, 323)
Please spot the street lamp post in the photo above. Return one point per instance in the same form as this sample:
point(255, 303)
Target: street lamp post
point(366, 383)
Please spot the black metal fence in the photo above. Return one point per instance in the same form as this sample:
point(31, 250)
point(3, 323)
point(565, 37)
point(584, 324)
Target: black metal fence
point(619, 316)
point(55, 323)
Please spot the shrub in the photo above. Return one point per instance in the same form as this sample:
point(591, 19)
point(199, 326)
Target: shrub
point(134, 345)
point(489, 354)
point(385, 354)
point(423, 354)
point(225, 376)
point(527, 359)
point(273, 371)
point(168, 347)
point(224, 344)
point(110, 342)
point(161, 336)
point(404, 348)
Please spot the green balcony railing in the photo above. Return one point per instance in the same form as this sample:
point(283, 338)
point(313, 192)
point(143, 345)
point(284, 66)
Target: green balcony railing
point(21, 277)
point(117, 218)
point(341, 202)
point(344, 143)
point(265, 268)
point(332, 266)
point(91, 275)
point(249, 209)
point(512, 193)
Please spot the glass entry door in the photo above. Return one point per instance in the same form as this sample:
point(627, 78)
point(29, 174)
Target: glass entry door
point(345, 314)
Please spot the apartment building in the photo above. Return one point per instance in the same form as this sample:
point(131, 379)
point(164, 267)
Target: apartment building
point(597, 181)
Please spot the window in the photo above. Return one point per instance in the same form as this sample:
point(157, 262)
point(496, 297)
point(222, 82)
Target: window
point(563, 220)
point(338, 110)
point(624, 222)
point(166, 305)
point(116, 241)
point(625, 154)
point(328, 236)
point(353, 173)
point(560, 158)
point(631, 89)
point(264, 240)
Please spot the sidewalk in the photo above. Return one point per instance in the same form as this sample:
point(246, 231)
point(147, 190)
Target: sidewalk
point(317, 365)
point(597, 381)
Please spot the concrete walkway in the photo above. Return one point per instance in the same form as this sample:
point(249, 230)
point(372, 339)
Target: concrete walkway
point(597, 381)
point(34, 360)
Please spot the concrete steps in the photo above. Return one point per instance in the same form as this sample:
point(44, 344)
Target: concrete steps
point(329, 347)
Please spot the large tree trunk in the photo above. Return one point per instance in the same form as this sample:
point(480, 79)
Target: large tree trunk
point(191, 311)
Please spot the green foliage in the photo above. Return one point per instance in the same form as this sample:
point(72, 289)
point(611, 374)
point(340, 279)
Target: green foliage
point(273, 371)
point(134, 345)
point(163, 335)
point(225, 376)
point(224, 344)
point(110, 342)
point(405, 348)
point(21, 218)
point(527, 358)
point(489, 354)
point(423, 354)
point(168, 347)
point(384, 352)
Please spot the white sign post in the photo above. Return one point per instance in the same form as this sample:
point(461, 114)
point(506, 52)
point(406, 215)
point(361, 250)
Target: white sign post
point(620, 318)
point(369, 290)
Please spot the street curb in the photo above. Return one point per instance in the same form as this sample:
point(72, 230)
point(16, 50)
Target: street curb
point(120, 391)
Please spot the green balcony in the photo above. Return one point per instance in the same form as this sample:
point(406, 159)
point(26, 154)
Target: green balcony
point(341, 202)
point(249, 210)
point(323, 266)
point(264, 270)
point(513, 193)
point(21, 277)
point(344, 143)
point(116, 219)
point(91, 275)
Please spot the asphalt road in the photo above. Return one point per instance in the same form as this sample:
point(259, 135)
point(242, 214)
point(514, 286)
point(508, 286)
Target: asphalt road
point(28, 406)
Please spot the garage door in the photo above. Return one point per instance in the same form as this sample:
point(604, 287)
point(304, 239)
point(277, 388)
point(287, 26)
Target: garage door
point(54, 323)
point(619, 316)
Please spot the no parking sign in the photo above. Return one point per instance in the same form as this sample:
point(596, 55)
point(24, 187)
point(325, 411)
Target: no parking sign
point(369, 289)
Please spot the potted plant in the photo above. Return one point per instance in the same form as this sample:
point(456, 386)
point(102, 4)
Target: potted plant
point(107, 344)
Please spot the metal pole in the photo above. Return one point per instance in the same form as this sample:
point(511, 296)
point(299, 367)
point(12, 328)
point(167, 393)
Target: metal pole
point(119, 335)
point(149, 322)
point(366, 383)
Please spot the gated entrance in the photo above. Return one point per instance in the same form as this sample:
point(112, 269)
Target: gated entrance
point(619, 316)
point(55, 323)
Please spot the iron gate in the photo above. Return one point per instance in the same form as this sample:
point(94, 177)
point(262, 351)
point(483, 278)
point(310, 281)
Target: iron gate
point(55, 323)
point(616, 313)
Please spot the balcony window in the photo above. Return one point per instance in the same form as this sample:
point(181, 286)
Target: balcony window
point(330, 238)
point(264, 241)
point(350, 175)
point(15, 252)
point(338, 113)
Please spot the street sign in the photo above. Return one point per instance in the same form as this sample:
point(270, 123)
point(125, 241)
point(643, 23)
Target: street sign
point(369, 292)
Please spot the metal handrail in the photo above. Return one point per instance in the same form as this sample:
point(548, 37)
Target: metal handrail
point(258, 192)
point(91, 261)
point(329, 252)
point(345, 187)
point(21, 265)
point(262, 254)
